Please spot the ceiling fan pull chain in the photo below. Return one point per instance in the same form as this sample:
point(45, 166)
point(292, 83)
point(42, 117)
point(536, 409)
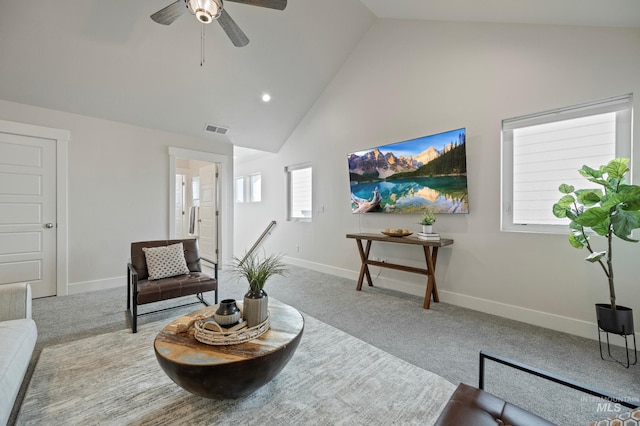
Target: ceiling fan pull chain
point(202, 45)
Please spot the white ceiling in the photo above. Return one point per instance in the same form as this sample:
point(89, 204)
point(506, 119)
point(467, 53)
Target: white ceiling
point(616, 13)
point(108, 59)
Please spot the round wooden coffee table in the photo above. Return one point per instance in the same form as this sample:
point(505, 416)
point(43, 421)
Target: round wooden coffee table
point(228, 371)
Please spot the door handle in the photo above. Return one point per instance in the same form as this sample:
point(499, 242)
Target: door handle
point(48, 225)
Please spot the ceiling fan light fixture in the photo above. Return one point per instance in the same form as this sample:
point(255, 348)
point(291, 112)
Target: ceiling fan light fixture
point(205, 10)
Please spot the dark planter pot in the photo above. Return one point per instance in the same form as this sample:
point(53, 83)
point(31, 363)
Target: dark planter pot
point(619, 321)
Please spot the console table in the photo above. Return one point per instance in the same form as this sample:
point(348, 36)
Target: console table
point(430, 249)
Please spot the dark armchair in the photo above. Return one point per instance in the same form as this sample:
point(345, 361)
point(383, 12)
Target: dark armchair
point(142, 290)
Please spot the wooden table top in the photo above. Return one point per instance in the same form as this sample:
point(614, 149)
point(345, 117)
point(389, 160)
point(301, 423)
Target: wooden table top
point(401, 240)
point(180, 347)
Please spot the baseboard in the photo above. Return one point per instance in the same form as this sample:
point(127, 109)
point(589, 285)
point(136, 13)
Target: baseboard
point(320, 267)
point(517, 313)
point(83, 287)
point(526, 315)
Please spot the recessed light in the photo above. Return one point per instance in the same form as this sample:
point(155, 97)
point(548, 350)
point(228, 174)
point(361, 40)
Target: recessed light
point(266, 97)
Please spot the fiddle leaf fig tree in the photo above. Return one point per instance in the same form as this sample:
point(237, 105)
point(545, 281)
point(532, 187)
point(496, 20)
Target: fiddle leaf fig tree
point(613, 209)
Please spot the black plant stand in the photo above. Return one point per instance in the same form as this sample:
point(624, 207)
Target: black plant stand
point(626, 345)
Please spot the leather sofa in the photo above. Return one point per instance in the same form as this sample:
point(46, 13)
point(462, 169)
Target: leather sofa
point(141, 290)
point(18, 335)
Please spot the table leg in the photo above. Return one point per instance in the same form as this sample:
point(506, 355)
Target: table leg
point(431, 256)
point(364, 269)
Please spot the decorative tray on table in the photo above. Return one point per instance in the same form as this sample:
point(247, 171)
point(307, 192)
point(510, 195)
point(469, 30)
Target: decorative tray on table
point(211, 333)
point(396, 232)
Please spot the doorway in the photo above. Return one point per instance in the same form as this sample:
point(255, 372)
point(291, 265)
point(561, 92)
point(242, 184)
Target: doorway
point(197, 204)
point(200, 203)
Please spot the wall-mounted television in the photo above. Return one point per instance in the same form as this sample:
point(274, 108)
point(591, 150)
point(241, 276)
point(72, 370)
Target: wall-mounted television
point(426, 174)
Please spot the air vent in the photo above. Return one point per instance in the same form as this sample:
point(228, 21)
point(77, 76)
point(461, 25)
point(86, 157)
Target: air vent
point(216, 129)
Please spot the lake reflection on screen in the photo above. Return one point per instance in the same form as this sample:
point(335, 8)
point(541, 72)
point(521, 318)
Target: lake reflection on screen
point(441, 194)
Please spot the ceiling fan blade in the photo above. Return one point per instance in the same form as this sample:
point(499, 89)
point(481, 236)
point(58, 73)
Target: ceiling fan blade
point(271, 4)
point(238, 38)
point(170, 13)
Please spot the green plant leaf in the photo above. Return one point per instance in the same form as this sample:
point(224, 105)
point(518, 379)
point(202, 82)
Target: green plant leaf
point(589, 197)
point(592, 217)
point(594, 257)
point(427, 219)
point(564, 207)
point(256, 271)
point(610, 200)
point(630, 196)
point(617, 168)
point(612, 185)
point(566, 201)
point(623, 223)
point(577, 240)
point(590, 173)
point(566, 189)
point(559, 211)
point(602, 229)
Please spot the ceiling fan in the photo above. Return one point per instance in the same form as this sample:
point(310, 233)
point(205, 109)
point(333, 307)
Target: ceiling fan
point(207, 11)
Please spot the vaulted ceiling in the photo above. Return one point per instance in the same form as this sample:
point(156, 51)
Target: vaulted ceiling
point(108, 59)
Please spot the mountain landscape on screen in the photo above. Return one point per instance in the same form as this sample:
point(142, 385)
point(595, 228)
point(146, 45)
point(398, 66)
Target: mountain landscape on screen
point(427, 174)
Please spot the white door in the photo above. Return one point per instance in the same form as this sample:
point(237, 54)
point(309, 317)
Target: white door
point(180, 206)
point(28, 212)
point(208, 212)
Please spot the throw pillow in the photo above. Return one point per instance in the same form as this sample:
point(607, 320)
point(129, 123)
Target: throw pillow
point(629, 418)
point(165, 261)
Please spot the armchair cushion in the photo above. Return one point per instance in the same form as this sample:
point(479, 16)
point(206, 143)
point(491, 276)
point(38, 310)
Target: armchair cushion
point(472, 406)
point(165, 261)
point(18, 335)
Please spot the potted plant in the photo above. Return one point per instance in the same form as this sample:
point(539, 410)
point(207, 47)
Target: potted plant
point(613, 209)
point(427, 220)
point(257, 271)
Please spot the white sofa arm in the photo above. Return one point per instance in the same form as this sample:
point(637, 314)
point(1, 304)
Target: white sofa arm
point(15, 301)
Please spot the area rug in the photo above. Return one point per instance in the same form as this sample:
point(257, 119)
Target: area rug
point(332, 379)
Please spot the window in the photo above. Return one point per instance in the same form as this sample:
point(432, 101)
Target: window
point(541, 151)
point(195, 188)
point(299, 192)
point(255, 188)
point(248, 189)
point(238, 189)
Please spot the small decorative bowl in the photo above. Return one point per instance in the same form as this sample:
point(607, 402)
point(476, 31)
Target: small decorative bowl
point(396, 232)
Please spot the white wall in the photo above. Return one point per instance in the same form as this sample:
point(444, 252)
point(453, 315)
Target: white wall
point(118, 189)
point(410, 78)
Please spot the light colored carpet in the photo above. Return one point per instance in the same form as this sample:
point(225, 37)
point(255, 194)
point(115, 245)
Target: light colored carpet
point(332, 379)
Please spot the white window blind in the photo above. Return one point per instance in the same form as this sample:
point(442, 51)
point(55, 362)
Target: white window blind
point(299, 179)
point(541, 151)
